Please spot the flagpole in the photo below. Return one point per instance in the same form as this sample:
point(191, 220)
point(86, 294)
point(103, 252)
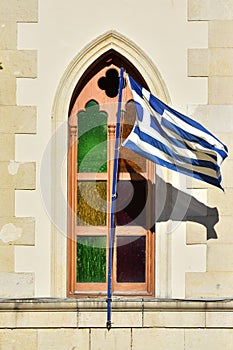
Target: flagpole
point(113, 198)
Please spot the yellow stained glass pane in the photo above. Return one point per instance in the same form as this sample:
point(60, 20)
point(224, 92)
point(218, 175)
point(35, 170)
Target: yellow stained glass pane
point(92, 203)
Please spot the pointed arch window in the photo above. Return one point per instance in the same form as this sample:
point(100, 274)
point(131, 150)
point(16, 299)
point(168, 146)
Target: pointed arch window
point(90, 165)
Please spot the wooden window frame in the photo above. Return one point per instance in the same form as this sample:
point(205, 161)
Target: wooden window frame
point(75, 289)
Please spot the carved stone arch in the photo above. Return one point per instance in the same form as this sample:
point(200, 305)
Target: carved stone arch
point(100, 47)
point(111, 40)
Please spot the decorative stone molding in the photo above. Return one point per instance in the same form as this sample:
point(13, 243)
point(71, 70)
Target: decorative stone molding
point(111, 40)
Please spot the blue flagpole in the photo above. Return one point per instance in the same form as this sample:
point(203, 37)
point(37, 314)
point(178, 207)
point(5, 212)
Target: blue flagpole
point(114, 196)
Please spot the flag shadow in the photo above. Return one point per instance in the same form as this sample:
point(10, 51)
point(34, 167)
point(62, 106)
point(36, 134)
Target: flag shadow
point(173, 204)
point(170, 204)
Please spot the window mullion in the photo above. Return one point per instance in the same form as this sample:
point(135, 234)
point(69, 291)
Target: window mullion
point(111, 151)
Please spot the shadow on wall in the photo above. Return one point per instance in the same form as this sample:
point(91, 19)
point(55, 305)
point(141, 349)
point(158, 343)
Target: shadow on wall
point(170, 204)
point(173, 204)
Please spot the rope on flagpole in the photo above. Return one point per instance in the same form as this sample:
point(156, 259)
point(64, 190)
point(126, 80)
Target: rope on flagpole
point(113, 198)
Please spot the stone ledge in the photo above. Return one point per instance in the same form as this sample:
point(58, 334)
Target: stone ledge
point(56, 313)
point(62, 304)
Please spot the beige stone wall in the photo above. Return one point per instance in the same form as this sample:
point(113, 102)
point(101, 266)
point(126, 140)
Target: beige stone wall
point(44, 324)
point(69, 324)
point(216, 64)
point(15, 119)
point(212, 64)
point(59, 38)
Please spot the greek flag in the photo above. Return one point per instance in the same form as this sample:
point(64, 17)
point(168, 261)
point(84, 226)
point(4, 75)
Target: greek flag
point(173, 140)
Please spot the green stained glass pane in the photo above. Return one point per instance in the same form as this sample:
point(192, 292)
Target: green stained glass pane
point(91, 259)
point(91, 203)
point(92, 139)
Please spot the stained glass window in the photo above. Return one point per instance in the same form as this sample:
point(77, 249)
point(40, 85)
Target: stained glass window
point(92, 139)
point(131, 203)
point(89, 188)
point(131, 259)
point(91, 203)
point(91, 259)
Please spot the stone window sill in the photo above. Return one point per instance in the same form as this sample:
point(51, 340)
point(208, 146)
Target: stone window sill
point(70, 313)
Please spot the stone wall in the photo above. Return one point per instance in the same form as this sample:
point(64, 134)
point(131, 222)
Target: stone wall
point(216, 64)
point(62, 324)
point(48, 324)
point(15, 119)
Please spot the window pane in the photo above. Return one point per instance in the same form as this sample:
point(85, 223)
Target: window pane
point(130, 162)
point(92, 139)
point(131, 259)
point(131, 203)
point(91, 259)
point(91, 203)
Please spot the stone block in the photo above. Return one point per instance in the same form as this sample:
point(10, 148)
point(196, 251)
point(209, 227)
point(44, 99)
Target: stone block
point(195, 233)
point(8, 88)
point(25, 178)
point(223, 229)
point(223, 201)
point(127, 319)
point(196, 184)
point(226, 170)
point(205, 339)
point(7, 147)
point(208, 116)
point(220, 90)
point(220, 33)
point(205, 10)
point(18, 119)
point(8, 35)
point(198, 62)
point(119, 319)
point(19, 11)
point(227, 139)
point(219, 319)
point(206, 229)
point(16, 285)
point(157, 338)
point(219, 257)
point(19, 63)
point(20, 176)
point(174, 319)
point(7, 320)
point(17, 231)
point(198, 196)
point(46, 319)
point(61, 339)
point(209, 284)
point(7, 203)
point(221, 62)
point(18, 339)
point(7, 261)
point(91, 319)
point(116, 339)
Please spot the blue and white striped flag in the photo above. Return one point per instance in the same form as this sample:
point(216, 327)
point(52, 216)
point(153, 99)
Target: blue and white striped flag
point(173, 140)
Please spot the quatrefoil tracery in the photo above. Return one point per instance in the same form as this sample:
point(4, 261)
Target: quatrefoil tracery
point(110, 83)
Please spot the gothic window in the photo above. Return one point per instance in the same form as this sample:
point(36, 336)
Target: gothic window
point(92, 124)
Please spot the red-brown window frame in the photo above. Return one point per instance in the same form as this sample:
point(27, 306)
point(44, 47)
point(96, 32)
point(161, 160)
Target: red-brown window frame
point(145, 289)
